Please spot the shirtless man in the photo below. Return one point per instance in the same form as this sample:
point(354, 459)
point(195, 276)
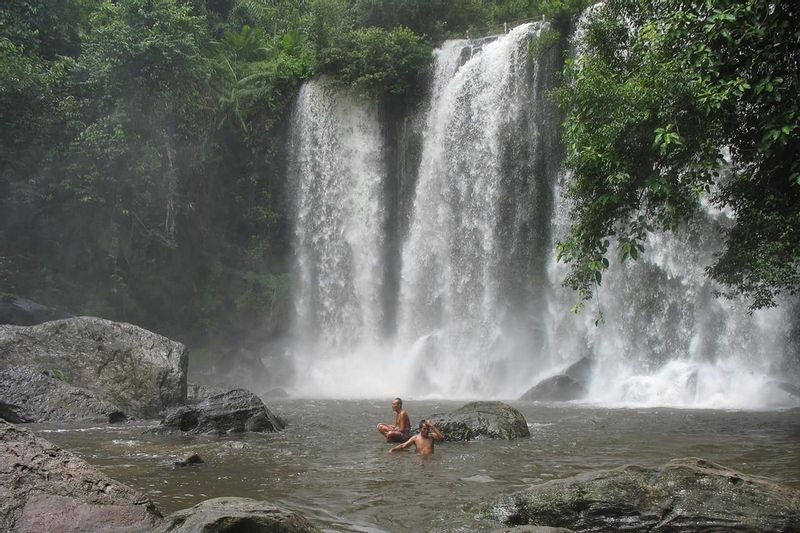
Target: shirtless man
point(401, 429)
point(424, 440)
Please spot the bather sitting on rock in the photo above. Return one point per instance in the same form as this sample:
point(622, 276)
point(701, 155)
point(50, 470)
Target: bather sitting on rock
point(424, 440)
point(401, 429)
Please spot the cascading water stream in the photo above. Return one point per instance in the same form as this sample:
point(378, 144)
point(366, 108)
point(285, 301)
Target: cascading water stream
point(337, 172)
point(480, 311)
point(461, 273)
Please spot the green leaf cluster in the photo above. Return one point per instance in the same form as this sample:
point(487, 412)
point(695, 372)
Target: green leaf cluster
point(378, 62)
point(670, 103)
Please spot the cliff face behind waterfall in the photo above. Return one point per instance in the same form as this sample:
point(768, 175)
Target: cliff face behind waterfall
point(445, 277)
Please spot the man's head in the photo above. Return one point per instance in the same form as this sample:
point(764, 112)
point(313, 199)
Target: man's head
point(424, 427)
point(397, 404)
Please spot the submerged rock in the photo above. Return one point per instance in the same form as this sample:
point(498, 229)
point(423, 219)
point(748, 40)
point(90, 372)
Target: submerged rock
point(39, 397)
point(193, 459)
point(44, 488)
point(219, 515)
point(683, 495)
point(234, 411)
point(493, 420)
point(141, 372)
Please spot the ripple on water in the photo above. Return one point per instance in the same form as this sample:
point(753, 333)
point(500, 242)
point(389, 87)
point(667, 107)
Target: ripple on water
point(479, 478)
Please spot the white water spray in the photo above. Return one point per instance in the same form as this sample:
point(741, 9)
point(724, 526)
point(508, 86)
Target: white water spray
point(337, 173)
point(480, 309)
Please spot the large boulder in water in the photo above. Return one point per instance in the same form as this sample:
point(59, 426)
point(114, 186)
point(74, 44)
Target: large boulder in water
point(563, 387)
point(36, 396)
point(219, 515)
point(44, 488)
point(492, 420)
point(683, 495)
point(559, 388)
point(234, 411)
point(141, 372)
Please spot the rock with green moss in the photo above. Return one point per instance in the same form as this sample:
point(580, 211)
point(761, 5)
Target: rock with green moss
point(37, 396)
point(139, 371)
point(482, 420)
point(683, 495)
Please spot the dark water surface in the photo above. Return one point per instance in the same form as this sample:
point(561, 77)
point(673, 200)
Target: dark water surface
point(333, 466)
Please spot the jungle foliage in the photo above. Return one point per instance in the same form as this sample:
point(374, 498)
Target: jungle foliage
point(671, 103)
point(142, 164)
point(142, 149)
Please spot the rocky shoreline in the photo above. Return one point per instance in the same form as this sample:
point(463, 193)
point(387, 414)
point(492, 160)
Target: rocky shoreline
point(84, 368)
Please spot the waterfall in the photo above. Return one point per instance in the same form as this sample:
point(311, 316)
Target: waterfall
point(336, 173)
point(476, 306)
point(463, 274)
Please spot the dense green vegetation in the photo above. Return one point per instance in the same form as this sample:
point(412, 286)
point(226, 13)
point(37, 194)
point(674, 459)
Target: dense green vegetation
point(675, 101)
point(142, 150)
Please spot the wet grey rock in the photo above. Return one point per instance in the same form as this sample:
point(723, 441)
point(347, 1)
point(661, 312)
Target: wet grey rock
point(197, 392)
point(581, 370)
point(115, 417)
point(229, 515)
point(21, 312)
point(38, 397)
point(684, 495)
point(276, 394)
point(492, 420)
point(44, 488)
point(193, 459)
point(234, 411)
point(533, 529)
point(568, 385)
point(14, 413)
point(559, 388)
point(141, 372)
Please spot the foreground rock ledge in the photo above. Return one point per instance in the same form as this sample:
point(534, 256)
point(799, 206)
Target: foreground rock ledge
point(487, 420)
point(235, 514)
point(139, 371)
point(684, 495)
point(44, 488)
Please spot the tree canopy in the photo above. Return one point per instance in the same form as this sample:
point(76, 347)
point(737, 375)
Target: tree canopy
point(672, 102)
point(142, 154)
